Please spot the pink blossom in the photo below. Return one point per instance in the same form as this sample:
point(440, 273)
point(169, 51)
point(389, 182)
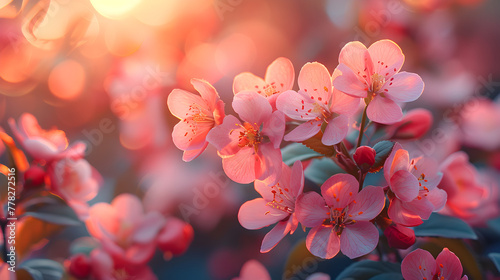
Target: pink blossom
point(420, 264)
point(250, 150)
point(340, 218)
point(175, 237)
point(480, 124)
point(198, 114)
point(414, 125)
point(279, 78)
point(471, 197)
point(126, 233)
point(317, 102)
point(104, 267)
point(276, 205)
point(373, 74)
point(414, 193)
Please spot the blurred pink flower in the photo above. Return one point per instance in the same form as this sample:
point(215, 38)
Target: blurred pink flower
point(198, 114)
point(253, 269)
point(276, 205)
point(340, 218)
point(316, 103)
point(480, 124)
point(420, 264)
point(414, 125)
point(471, 197)
point(104, 267)
point(246, 155)
point(373, 74)
point(279, 78)
point(414, 187)
point(175, 236)
point(126, 233)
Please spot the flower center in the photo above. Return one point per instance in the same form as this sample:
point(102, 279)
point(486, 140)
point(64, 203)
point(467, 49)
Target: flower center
point(250, 136)
point(282, 199)
point(338, 218)
point(270, 89)
point(377, 82)
point(195, 115)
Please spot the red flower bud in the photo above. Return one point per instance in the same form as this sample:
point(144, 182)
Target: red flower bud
point(414, 125)
point(175, 237)
point(399, 237)
point(34, 177)
point(80, 266)
point(364, 157)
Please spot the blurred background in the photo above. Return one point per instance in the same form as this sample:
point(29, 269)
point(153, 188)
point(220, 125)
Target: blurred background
point(101, 71)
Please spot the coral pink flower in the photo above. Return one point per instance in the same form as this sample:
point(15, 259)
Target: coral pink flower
point(198, 114)
point(279, 78)
point(276, 205)
point(250, 150)
point(373, 74)
point(470, 197)
point(316, 103)
point(126, 233)
point(104, 267)
point(340, 220)
point(414, 187)
point(43, 144)
point(420, 264)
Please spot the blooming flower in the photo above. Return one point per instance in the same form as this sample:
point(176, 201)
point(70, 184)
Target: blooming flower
point(279, 78)
point(250, 150)
point(420, 264)
point(340, 217)
point(373, 74)
point(198, 114)
point(276, 205)
point(414, 193)
point(317, 102)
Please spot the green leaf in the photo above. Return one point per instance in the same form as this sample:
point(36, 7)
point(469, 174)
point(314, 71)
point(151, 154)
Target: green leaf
point(495, 224)
point(319, 170)
point(51, 209)
point(495, 257)
point(366, 270)
point(445, 226)
point(383, 149)
point(297, 151)
point(42, 269)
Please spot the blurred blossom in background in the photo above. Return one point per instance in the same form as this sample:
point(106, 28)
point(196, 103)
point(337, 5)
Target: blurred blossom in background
point(101, 71)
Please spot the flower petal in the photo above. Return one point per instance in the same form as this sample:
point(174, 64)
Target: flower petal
point(358, 239)
point(190, 135)
point(252, 107)
point(389, 161)
point(297, 178)
point(342, 103)
point(241, 167)
point(401, 216)
point(189, 155)
point(369, 203)
point(403, 87)
point(387, 58)
point(269, 165)
point(281, 74)
point(274, 236)
point(151, 225)
point(180, 103)
point(438, 198)
point(449, 264)
point(336, 130)
point(323, 242)
point(304, 131)
point(253, 269)
point(311, 209)
point(315, 80)
point(349, 83)
point(248, 81)
point(417, 265)
point(340, 190)
point(297, 105)
point(355, 56)
point(225, 137)
point(207, 92)
point(255, 214)
point(274, 128)
point(404, 185)
point(384, 110)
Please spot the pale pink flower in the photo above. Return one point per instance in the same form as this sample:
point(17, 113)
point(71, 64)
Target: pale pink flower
point(253, 269)
point(279, 78)
point(126, 233)
point(340, 218)
point(373, 74)
point(276, 205)
point(414, 193)
point(317, 102)
point(480, 124)
point(104, 267)
point(420, 264)
point(471, 197)
point(198, 114)
point(250, 150)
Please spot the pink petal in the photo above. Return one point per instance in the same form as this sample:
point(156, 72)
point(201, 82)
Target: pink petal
point(315, 80)
point(336, 130)
point(274, 128)
point(304, 131)
point(192, 154)
point(438, 198)
point(40, 148)
point(255, 214)
point(401, 216)
point(248, 81)
point(139, 254)
point(252, 107)
point(349, 83)
point(404, 185)
point(225, 137)
point(449, 265)
point(403, 87)
point(296, 179)
point(387, 58)
point(190, 135)
point(340, 190)
point(180, 102)
point(384, 111)
point(389, 161)
point(429, 167)
point(241, 167)
point(355, 56)
point(128, 208)
point(251, 270)
point(323, 242)
point(281, 73)
point(102, 217)
point(358, 239)
point(342, 103)
point(151, 225)
point(297, 105)
point(273, 237)
point(417, 265)
point(207, 92)
point(269, 165)
point(421, 207)
point(311, 209)
point(369, 202)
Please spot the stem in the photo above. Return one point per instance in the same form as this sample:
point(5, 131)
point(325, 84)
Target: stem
point(361, 180)
point(362, 128)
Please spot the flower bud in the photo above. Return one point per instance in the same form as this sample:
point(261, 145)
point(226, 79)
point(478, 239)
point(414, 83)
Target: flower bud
point(414, 125)
point(399, 237)
point(364, 157)
point(175, 237)
point(80, 266)
point(34, 177)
